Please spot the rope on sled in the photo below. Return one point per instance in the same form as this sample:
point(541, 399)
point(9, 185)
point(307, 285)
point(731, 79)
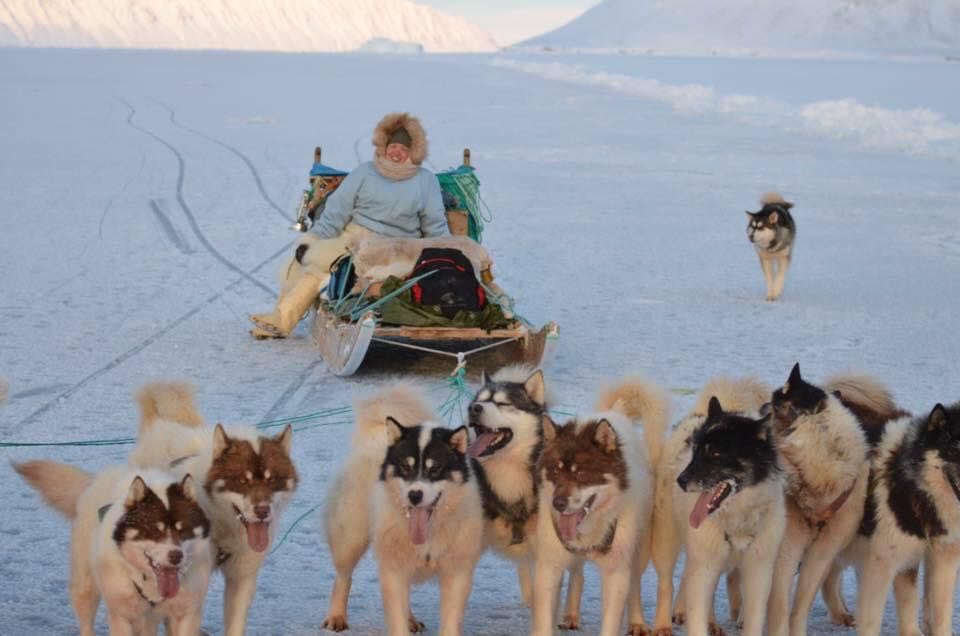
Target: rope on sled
point(462, 183)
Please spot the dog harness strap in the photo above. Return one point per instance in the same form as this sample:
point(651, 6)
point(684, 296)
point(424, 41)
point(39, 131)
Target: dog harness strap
point(144, 596)
point(827, 513)
point(180, 460)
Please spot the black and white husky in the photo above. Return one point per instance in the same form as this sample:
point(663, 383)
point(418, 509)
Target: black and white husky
point(672, 507)
point(408, 489)
point(733, 502)
point(912, 514)
point(506, 419)
point(140, 541)
point(773, 233)
point(825, 436)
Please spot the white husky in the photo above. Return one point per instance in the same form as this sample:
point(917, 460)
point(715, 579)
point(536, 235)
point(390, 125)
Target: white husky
point(139, 540)
point(407, 487)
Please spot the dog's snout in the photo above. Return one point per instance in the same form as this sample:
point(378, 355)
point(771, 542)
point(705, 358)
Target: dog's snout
point(415, 496)
point(476, 409)
point(262, 511)
point(175, 557)
point(682, 481)
point(559, 503)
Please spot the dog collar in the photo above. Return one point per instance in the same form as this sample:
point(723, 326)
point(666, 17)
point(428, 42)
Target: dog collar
point(145, 597)
point(823, 517)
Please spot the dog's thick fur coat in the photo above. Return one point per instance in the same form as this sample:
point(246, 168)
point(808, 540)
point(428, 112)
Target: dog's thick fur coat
point(370, 502)
point(138, 540)
point(246, 481)
point(751, 519)
point(595, 502)
point(773, 232)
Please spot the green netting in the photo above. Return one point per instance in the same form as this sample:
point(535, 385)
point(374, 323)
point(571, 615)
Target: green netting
point(462, 184)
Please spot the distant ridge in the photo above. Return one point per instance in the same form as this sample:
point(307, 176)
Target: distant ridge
point(250, 25)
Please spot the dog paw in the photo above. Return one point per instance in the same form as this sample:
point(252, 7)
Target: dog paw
point(416, 627)
point(570, 623)
point(679, 618)
point(335, 623)
point(663, 631)
point(845, 619)
point(716, 630)
point(636, 629)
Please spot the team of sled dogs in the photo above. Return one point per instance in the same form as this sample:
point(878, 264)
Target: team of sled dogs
point(763, 486)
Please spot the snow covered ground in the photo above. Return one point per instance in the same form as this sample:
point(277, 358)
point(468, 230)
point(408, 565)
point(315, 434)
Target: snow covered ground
point(144, 211)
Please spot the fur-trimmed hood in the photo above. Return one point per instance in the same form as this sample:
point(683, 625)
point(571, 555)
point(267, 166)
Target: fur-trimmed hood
point(393, 121)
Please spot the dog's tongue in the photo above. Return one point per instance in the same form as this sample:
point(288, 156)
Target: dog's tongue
point(168, 581)
point(419, 524)
point(567, 525)
point(481, 444)
point(701, 509)
point(258, 536)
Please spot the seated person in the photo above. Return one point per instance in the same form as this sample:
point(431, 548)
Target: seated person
point(389, 196)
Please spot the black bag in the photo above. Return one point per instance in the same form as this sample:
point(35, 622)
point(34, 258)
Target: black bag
point(452, 287)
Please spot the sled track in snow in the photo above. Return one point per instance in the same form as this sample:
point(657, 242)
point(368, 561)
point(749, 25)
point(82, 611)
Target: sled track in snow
point(123, 188)
point(154, 337)
point(234, 150)
point(291, 390)
point(181, 171)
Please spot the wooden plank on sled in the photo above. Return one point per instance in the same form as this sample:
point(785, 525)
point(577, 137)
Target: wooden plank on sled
point(450, 333)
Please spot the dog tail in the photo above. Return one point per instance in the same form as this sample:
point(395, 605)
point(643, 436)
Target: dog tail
point(641, 401)
point(866, 396)
point(740, 395)
point(771, 197)
point(170, 401)
point(403, 402)
point(60, 485)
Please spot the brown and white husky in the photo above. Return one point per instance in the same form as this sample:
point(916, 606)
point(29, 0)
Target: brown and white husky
point(246, 480)
point(773, 233)
point(595, 503)
point(139, 540)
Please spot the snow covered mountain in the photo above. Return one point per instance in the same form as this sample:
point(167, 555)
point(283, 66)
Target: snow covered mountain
point(750, 26)
point(253, 25)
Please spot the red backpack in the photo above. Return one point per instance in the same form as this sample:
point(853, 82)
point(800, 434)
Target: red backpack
point(452, 287)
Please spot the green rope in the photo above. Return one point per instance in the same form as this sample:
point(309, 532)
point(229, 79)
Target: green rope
point(462, 183)
point(290, 529)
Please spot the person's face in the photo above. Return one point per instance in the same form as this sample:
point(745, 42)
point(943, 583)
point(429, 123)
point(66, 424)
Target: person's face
point(397, 153)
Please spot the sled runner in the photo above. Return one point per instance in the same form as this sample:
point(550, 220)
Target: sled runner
point(447, 305)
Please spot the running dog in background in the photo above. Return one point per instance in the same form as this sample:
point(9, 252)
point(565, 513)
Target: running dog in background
point(825, 437)
point(505, 416)
point(595, 503)
point(408, 488)
point(139, 540)
point(246, 480)
point(673, 506)
point(773, 233)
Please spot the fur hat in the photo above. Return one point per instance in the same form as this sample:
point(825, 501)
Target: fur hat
point(391, 129)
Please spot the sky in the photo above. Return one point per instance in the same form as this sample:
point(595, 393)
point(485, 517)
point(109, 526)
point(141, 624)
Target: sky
point(512, 21)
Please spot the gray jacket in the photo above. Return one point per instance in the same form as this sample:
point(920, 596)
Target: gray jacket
point(412, 207)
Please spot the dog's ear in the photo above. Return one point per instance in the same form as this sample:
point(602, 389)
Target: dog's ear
point(484, 378)
point(765, 409)
point(136, 493)
point(795, 378)
point(749, 214)
point(189, 488)
point(786, 205)
point(713, 408)
point(220, 440)
point(285, 438)
point(938, 420)
point(460, 440)
point(606, 437)
point(549, 428)
point(535, 388)
point(773, 217)
point(394, 430)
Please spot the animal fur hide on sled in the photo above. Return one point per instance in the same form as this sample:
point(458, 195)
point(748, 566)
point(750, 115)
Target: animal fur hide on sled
point(375, 257)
